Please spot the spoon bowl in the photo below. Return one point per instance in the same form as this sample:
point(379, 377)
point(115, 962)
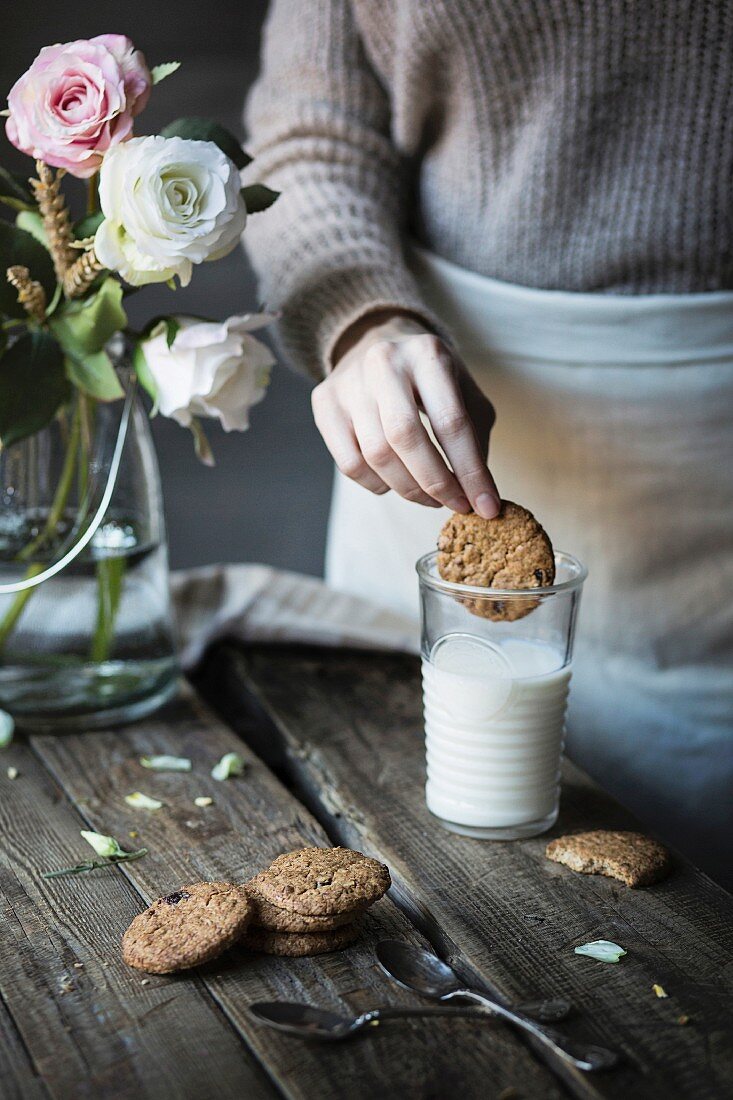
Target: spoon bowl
point(423, 972)
point(305, 1021)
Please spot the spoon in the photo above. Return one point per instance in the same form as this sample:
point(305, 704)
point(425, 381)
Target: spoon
point(425, 973)
point(306, 1021)
point(309, 1022)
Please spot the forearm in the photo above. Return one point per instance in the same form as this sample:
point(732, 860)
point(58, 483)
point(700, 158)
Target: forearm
point(330, 251)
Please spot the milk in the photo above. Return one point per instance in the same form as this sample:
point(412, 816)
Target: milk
point(494, 728)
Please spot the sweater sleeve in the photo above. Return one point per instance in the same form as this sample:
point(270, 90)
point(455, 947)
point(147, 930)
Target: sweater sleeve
point(330, 249)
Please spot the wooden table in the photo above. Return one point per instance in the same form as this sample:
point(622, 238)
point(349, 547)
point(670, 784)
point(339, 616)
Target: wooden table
point(334, 747)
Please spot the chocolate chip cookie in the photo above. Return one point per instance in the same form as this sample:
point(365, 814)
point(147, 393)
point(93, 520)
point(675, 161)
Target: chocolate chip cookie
point(273, 919)
point(318, 882)
point(511, 551)
point(632, 858)
point(189, 927)
point(298, 945)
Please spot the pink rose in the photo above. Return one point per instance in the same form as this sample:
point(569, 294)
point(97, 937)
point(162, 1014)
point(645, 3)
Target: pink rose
point(78, 100)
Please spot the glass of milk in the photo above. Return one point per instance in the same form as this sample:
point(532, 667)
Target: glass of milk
point(496, 673)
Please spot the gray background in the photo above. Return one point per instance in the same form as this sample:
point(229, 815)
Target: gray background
point(267, 498)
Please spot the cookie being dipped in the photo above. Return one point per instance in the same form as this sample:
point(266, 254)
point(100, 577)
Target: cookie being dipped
point(510, 551)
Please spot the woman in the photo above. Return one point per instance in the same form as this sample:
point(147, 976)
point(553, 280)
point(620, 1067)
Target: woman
point(566, 168)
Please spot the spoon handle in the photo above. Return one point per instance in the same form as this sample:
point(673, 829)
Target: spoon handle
point(587, 1057)
point(397, 1012)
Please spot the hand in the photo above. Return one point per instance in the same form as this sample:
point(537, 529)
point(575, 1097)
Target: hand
point(368, 412)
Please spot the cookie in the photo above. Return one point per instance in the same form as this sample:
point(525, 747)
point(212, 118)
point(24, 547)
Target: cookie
point(632, 858)
point(268, 916)
point(187, 928)
point(511, 551)
point(318, 882)
point(299, 944)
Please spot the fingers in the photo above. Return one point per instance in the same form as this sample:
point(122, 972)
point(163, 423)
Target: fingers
point(455, 427)
point(368, 412)
point(338, 435)
point(405, 433)
point(382, 458)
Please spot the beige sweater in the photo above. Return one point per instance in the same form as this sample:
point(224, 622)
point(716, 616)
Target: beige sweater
point(585, 145)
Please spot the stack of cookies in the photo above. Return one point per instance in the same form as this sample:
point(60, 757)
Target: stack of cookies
point(305, 903)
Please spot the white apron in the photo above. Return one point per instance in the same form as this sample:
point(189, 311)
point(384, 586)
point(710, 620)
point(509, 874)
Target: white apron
point(615, 427)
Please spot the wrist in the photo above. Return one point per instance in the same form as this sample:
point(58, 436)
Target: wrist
point(382, 324)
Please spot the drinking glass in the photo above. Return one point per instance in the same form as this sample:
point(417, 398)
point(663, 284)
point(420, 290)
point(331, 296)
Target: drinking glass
point(496, 674)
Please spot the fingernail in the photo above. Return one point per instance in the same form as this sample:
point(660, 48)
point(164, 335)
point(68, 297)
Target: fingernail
point(487, 506)
point(461, 504)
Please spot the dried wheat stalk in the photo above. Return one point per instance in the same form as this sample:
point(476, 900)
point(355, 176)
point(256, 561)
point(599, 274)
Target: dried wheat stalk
point(31, 294)
point(82, 273)
point(55, 214)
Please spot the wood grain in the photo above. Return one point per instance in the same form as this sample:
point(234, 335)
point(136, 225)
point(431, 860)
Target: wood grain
point(253, 818)
point(347, 729)
point(87, 1022)
point(17, 1072)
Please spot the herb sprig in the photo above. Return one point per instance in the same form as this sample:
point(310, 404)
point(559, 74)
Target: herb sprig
point(105, 846)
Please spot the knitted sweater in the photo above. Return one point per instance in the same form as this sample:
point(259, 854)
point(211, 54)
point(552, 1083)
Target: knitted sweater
point(581, 145)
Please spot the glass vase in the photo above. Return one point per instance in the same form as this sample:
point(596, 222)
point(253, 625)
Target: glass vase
point(81, 512)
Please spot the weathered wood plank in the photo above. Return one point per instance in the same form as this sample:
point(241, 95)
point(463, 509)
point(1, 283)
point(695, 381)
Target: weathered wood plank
point(88, 1023)
point(348, 730)
point(17, 1072)
point(253, 818)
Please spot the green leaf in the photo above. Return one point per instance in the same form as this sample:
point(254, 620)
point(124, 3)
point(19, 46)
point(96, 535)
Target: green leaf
point(144, 376)
point(230, 764)
point(140, 801)
point(7, 726)
point(103, 845)
point(205, 129)
point(166, 763)
point(84, 326)
point(19, 247)
point(257, 197)
point(166, 68)
point(32, 222)
point(15, 191)
point(171, 324)
point(88, 225)
point(95, 374)
point(603, 950)
point(171, 330)
point(33, 385)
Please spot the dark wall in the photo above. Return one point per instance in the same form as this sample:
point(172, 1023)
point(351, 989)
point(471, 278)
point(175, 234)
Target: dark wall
point(267, 498)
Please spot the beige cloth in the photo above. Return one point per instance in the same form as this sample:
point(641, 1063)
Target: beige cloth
point(615, 426)
point(256, 603)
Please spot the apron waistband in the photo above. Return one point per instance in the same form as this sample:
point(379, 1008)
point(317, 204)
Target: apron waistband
point(586, 329)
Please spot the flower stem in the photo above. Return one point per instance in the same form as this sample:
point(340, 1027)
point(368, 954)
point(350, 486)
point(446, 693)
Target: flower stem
point(56, 511)
point(15, 610)
point(110, 579)
point(92, 193)
point(63, 489)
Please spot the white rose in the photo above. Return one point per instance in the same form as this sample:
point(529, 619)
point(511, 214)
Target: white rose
point(211, 369)
point(168, 203)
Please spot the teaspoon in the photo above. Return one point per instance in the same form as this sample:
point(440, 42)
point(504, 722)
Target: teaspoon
point(309, 1022)
point(425, 973)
